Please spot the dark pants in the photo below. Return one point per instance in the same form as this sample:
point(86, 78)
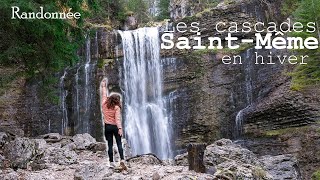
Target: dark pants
point(110, 131)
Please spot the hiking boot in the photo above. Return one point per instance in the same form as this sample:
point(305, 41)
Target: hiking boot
point(123, 166)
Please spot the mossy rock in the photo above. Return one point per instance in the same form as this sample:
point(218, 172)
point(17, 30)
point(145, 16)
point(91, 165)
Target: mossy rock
point(103, 62)
point(316, 175)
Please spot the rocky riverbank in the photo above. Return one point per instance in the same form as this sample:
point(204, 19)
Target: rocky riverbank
point(53, 156)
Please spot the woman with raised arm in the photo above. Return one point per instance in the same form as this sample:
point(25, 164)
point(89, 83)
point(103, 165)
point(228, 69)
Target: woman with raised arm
point(111, 109)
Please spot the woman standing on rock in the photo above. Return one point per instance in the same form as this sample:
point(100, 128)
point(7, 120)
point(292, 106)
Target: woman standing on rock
point(111, 109)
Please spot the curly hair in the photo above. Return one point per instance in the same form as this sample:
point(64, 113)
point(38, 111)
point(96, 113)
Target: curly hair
point(113, 100)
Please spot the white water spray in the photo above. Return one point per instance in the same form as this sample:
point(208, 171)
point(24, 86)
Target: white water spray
point(146, 123)
point(249, 93)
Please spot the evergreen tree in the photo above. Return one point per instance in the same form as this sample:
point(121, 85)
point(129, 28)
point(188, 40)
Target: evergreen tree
point(139, 9)
point(309, 74)
point(164, 9)
point(40, 46)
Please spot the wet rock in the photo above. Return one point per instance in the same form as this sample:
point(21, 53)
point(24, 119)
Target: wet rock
point(148, 159)
point(19, 152)
point(282, 166)
point(83, 141)
point(52, 137)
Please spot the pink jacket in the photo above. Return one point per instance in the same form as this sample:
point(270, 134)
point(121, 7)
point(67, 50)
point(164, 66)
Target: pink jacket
point(111, 116)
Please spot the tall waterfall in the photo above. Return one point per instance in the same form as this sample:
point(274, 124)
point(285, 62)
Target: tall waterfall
point(146, 122)
point(248, 92)
point(63, 105)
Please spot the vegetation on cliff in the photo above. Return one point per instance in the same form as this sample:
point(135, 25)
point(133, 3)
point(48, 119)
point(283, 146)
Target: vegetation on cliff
point(41, 47)
point(309, 74)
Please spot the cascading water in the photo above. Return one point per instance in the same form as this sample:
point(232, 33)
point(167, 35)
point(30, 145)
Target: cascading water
point(248, 93)
point(87, 96)
point(82, 89)
point(146, 122)
point(171, 106)
point(63, 105)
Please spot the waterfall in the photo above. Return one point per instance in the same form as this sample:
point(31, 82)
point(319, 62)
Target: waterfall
point(239, 121)
point(82, 88)
point(87, 96)
point(145, 121)
point(82, 91)
point(248, 76)
point(171, 106)
point(63, 105)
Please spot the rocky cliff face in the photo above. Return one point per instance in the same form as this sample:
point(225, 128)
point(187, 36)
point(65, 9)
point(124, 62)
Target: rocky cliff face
point(284, 108)
point(10, 102)
point(264, 10)
point(209, 95)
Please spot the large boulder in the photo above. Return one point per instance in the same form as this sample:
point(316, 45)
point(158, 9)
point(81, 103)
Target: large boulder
point(62, 156)
point(282, 166)
point(130, 23)
point(149, 159)
point(231, 161)
point(224, 150)
point(19, 152)
point(237, 170)
point(83, 141)
point(52, 154)
point(55, 155)
point(234, 162)
point(92, 170)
